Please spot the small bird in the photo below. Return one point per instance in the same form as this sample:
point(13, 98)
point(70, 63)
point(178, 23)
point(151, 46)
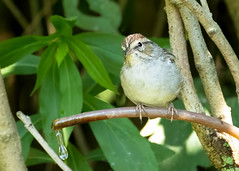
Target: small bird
point(149, 76)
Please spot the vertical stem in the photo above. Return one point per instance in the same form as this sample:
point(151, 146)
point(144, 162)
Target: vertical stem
point(10, 146)
point(217, 36)
point(205, 66)
point(213, 145)
point(178, 44)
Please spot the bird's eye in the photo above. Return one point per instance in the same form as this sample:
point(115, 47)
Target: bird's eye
point(140, 44)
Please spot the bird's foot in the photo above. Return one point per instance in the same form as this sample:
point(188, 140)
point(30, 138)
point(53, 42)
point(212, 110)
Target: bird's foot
point(140, 108)
point(172, 110)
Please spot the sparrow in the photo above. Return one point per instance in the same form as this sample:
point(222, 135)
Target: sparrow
point(149, 75)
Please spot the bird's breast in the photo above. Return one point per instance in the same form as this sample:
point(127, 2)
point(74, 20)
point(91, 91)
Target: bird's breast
point(152, 83)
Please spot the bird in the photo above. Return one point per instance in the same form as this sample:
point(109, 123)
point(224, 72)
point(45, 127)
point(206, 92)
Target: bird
point(149, 75)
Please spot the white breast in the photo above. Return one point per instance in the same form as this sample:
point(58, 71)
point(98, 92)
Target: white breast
point(154, 83)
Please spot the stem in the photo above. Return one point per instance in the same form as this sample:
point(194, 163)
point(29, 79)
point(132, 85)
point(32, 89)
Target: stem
point(131, 112)
point(215, 33)
point(10, 145)
point(31, 128)
point(211, 140)
point(205, 66)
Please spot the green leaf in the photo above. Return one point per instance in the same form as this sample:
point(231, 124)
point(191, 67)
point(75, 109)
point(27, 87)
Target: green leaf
point(61, 52)
point(184, 142)
point(46, 63)
point(109, 18)
point(76, 160)
point(50, 104)
point(26, 137)
point(14, 49)
point(63, 25)
point(37, 157)
point(92, 103)
point(121, 143)
point(25, 66)
point(92, 63)
point(71, 91)
point(161, 152)
point(107, 47)
point(95, 155)
point(90, 86)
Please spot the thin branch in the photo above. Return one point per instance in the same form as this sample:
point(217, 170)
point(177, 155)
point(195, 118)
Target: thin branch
point(215, 33)
point(205, 6)
point(131, 112)
point(31, 128)
point(16, 13)
point(205, 66)
point(209, 138)
point(179, 47)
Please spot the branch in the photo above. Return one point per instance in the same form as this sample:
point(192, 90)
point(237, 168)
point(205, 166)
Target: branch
point(209, 138)
point(131, 112)
point(205, 6)
point(179, 47)
point(31, 128)
point(215, 33)
point(10, 145)
point(205, 66)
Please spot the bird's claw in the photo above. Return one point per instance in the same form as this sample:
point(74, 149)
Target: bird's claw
point(140, 108)
point(172, 111)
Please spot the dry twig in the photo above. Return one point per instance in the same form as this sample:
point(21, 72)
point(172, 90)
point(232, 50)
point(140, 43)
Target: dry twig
point(216, 34)
point(31, 128)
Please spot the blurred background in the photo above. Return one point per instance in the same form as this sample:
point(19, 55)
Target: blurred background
point(31, 17)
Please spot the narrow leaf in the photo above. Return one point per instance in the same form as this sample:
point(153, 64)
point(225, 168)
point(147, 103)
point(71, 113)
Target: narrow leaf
point(61, 52)
point(71, 91)
point(50, 104)
point(46, 62)
point(14, 49)
point(107, 47)
point(92, 63)
point(25, 66)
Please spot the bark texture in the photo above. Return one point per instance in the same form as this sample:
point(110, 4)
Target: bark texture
point(11, 158)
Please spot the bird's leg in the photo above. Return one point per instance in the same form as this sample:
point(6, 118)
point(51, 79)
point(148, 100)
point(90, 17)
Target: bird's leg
point(172, 110)
point(140, 108)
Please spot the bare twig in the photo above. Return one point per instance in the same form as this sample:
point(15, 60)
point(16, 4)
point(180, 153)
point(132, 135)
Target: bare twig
point(215, 33)
point(16, 13)
point(31, 128)
point(205, 6)
point(178, 44)
point(212, 143)
point(131, 112)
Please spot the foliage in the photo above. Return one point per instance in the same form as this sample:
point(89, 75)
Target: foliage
point(65, 91)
